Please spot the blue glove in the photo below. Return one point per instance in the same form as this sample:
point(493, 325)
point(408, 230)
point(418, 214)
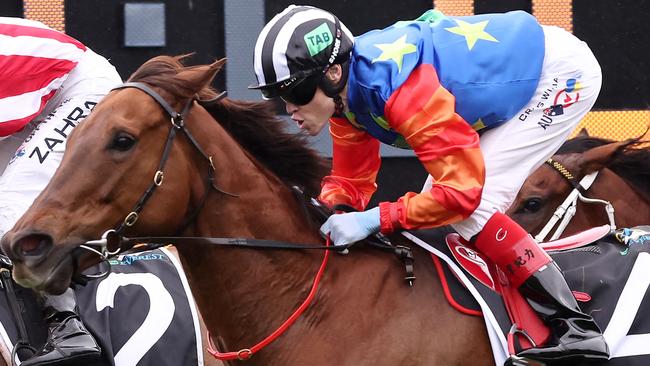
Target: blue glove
point(351, 227)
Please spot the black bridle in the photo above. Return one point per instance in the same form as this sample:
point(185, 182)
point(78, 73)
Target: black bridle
point(177, 120)
point(113, 242)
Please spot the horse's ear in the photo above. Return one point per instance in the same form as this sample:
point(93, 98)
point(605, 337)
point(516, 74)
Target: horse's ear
point(583, 133)
point(217, 65)
point(201, 76)
point(600, 157)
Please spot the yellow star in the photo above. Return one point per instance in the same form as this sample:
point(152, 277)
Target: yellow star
point(478, 125)
point(395, 51)
point(472, 32)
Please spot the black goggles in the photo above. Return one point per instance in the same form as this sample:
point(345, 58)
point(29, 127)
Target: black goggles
point(295, 91)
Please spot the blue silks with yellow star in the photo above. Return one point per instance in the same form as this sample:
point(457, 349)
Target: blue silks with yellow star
point(491, 63)
point(429, 85)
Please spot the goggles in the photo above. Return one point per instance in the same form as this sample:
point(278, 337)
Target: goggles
point(295, 91)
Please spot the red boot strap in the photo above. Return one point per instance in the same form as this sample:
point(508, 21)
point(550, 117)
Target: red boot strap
point(511, 248)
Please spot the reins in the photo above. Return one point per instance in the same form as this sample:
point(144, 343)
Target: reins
point(246, 353)
point(113, 241)
point(567, 210)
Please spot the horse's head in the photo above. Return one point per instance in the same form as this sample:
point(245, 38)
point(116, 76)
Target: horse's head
point(111, 159)
point(550, 184)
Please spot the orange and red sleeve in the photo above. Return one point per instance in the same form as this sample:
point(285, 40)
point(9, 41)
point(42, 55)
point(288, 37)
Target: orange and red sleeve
point(355, 163)
point(423, 112)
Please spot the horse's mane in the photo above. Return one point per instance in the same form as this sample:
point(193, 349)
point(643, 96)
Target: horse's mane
point(630, 163)
point(254, 125)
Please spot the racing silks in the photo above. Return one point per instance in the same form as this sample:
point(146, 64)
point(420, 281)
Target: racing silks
point(430, 86)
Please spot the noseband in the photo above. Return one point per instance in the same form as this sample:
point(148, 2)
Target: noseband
point(567, 209)
point(177, 119)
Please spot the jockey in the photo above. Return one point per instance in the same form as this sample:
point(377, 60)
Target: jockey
point(49, 82)
point(482, 100)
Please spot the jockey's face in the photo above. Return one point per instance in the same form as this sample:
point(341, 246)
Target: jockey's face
point(313, 116)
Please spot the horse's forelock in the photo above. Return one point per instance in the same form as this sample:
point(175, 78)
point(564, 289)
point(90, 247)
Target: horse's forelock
point(254, 125)
point(162, 72)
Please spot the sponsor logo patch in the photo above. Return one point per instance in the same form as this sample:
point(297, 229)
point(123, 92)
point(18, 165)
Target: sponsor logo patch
point(60, 133)
point(562, 100)
point(128, 260)
point(20, 152)
point(318, 39)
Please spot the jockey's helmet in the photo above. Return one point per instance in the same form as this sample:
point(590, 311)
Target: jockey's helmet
point(295, 49)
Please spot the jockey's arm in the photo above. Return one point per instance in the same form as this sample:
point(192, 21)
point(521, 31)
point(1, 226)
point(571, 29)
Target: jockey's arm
point(355, 164)
point(423, 112)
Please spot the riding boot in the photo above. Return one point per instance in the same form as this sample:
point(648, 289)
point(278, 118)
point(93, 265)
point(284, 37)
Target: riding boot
point(574, 332)
point(528, 267)
point(68, 343)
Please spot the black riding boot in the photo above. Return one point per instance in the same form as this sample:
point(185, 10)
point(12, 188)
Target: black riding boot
point(575, 334)
point(68, 343)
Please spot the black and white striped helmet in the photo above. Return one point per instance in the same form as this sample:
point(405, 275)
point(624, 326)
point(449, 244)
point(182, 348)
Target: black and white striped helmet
point(296, 43)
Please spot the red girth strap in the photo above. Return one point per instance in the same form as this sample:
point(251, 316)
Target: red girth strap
point(246, 353)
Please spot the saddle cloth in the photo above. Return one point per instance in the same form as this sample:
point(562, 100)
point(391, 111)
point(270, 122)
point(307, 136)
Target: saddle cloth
point(143, 313)
point(610, 279)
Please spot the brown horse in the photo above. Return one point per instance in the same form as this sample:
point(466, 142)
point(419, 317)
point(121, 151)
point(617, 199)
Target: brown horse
point(623, 180)
point(363, 313)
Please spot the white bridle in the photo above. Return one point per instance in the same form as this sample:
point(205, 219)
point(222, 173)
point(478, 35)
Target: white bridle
point(567, 209)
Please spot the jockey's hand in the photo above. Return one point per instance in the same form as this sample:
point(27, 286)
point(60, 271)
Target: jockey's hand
point(348, 228)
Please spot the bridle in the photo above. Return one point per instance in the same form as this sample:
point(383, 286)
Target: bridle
point(177, 124)
point(567, 210)
point(111, 243)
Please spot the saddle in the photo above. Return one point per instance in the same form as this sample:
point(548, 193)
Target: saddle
point(527, 329)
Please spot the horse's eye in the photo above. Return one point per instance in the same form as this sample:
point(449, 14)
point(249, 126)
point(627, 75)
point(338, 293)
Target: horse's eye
point(532, 205)
point(122, 142)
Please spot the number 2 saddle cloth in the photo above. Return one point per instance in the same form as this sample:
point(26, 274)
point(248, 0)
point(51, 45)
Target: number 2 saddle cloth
point(143, 313)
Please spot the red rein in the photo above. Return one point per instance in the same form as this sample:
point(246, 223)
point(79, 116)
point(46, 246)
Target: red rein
point(246, 353)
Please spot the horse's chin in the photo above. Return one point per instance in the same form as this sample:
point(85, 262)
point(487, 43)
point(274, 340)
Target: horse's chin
point(54, 281)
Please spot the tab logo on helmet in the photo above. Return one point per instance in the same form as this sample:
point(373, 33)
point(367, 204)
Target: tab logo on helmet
point(318, 39)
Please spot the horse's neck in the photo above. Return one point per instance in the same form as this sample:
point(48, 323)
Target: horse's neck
point(631, 207)
point(264, 210)
point(264, 207)
point(245, 294)
point(225, 278)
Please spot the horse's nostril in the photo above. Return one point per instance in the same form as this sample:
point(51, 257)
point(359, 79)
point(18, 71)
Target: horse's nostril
point(33, 245)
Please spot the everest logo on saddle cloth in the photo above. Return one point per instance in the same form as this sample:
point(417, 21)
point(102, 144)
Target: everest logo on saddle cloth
point(609, 275)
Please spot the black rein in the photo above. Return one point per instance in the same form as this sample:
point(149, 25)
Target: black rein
point(113, 242)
